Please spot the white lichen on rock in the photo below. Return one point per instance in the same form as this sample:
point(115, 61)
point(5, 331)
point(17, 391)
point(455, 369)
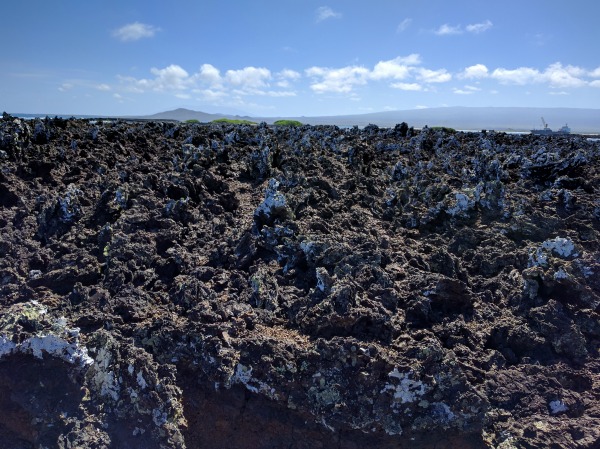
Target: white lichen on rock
point(57, 341)
point(560, 246)
point(406, 390)
point(6, 346)
point(103, 377)
point(538, 258)
point(243, 375)
point(274, 202)
point(57, 347)
point(35, 274)
point(69, 204)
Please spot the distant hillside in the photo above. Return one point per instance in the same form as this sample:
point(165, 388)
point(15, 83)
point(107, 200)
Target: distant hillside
point(501, 119)
point(464, 118)
point(182, 114)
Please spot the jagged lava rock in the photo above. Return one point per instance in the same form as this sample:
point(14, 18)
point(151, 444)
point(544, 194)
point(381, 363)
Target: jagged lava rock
point(204, 286)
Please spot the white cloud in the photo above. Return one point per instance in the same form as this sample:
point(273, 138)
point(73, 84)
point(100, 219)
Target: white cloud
point(286, 76)
point(398, 68)
point(595, 83)
point(594, 73)
point(434, 76)
point(477, 28)
point(209, 84)
point(394, 68)
point(337, 80)
point(446, 30)
point(249, 77)
point(407, 86)
point(467, 90)
point(474, 72)
point(103, 87)
point(420, 106)
point(559, 76)
point(556, 75)
point(135, 31)
point(263, 93)
point(520, 76)
point(211, 75)
point(325, 12)
point(412, 59)
point(402, 26)
point(277, 93)
point(289, 74)
point(402, 68)
point(562, 92)
point(172, 77)
point(210, 95)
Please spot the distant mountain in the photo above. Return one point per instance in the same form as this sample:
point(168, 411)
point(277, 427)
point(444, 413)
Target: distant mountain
point(183, 114)
point(462, 118)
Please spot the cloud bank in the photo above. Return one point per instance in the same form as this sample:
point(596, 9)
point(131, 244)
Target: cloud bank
point(344, 79)
point(403, 73)
point(555, 75)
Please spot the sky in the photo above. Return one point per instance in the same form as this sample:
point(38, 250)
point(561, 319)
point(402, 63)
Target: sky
point(296, 57)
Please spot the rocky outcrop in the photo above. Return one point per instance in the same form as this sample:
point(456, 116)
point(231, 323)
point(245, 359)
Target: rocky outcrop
point(186, 285)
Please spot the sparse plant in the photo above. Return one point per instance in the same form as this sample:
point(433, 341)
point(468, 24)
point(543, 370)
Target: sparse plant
point(234, 121)
point(288, 123)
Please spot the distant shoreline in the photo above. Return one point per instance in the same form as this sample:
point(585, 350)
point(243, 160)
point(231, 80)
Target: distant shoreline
point(446, 117)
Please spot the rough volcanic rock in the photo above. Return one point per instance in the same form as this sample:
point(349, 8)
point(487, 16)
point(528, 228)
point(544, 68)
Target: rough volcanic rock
point(209, 286)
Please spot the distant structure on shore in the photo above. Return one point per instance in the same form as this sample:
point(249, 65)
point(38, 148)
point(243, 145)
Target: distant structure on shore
point(548, 132)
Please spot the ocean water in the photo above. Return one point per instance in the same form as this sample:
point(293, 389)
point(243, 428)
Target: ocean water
point(32, 116)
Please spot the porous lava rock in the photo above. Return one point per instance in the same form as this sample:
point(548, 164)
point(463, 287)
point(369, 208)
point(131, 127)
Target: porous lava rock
point(167, 285)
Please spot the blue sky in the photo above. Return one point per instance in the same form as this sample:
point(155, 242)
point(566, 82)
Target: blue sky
point(296, 57)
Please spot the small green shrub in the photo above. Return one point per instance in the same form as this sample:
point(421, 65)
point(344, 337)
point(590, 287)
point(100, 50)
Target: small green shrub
point(192, 120)
point(288, 123)
point(234, 121)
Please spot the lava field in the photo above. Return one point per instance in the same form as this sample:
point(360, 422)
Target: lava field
point(172, 285)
